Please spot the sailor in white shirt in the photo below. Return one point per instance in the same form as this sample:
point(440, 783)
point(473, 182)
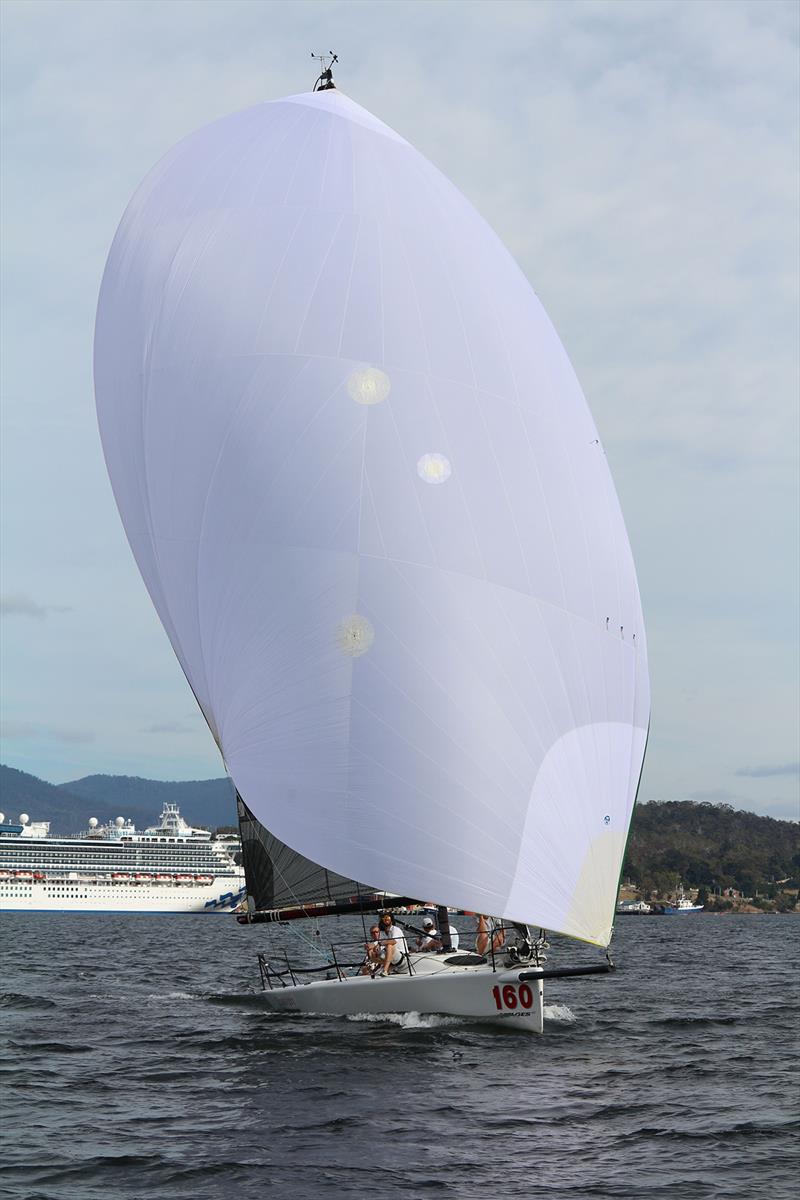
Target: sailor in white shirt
point(428, 940)
point(432, 939)
point(393, 941)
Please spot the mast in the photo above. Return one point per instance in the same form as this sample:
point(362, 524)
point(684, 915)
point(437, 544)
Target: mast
point(443, 921)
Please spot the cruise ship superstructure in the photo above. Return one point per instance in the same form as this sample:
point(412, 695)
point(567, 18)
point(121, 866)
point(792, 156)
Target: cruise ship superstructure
point(169, 867)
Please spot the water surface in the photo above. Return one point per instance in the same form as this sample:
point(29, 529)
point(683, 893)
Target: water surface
point(136, 1062)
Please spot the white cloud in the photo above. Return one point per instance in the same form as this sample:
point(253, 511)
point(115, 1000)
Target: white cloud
point(168, 727)
point(768, 772)
point(29, 730)
point(18, 604)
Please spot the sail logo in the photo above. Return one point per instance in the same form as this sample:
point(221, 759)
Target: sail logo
point(434, 468)
point(368, 386)
point(355, 635)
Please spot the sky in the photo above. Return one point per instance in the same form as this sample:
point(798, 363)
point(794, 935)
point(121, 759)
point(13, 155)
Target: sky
point(639, 159)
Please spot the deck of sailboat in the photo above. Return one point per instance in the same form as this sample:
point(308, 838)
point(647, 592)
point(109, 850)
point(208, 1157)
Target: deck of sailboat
point(463, 985)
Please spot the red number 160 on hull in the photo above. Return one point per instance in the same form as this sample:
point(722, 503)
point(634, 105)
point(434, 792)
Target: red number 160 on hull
point(511, 997)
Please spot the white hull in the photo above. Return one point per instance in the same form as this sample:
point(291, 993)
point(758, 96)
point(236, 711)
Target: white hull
point(85, 896)
point(473, 992)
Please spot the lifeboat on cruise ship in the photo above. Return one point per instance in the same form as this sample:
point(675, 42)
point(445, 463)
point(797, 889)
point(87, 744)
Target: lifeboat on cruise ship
point(143, 878)
point(23, 874)
point(163, 879)
point(184, 879)
point(204, 878)
point(120, 875)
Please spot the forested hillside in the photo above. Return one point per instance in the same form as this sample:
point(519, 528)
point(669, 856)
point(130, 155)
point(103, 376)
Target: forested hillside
point(68, 806)
point(20, 792)
point(709, 845)
point(205, 802)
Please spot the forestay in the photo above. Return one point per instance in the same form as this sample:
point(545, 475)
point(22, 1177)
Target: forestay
point(372, 510)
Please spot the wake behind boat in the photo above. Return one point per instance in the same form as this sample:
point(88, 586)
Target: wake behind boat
point(373, 512)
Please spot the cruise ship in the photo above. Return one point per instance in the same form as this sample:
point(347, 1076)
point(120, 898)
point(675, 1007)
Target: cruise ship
point(168, 868)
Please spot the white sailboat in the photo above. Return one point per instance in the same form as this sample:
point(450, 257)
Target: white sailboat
point(373, 512)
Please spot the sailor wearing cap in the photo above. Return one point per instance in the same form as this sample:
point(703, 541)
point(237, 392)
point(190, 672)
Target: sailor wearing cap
point(428, 940)
point(431, 939)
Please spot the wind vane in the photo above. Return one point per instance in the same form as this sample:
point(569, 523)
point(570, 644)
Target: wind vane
point(326, 61)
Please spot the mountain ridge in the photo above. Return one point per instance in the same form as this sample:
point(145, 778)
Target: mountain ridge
point(68, 806)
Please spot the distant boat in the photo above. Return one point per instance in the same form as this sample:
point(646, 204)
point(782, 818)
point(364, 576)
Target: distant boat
point(682, 905)
point(640, 908)
point(636, 908)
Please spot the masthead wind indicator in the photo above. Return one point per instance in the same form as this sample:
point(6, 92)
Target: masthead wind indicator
point(325, 81)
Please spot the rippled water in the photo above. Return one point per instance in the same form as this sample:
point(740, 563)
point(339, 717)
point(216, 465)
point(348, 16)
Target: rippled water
point(136, 1062)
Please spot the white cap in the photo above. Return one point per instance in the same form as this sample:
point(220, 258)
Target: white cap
point(427, 921)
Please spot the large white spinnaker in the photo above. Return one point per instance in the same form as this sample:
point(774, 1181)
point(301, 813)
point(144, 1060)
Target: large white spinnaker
point(372, 510)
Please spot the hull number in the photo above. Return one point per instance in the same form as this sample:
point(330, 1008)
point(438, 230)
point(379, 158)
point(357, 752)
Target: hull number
point(511, 997)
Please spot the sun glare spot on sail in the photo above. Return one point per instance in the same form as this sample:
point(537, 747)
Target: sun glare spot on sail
point(355, 635)
point(434, 468)
point(368, 385)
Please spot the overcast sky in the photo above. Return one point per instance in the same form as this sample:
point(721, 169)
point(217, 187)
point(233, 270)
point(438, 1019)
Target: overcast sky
point(640, 160)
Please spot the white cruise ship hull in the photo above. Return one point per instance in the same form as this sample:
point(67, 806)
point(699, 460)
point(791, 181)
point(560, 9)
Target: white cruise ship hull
point(77, 895)
point(167, 868)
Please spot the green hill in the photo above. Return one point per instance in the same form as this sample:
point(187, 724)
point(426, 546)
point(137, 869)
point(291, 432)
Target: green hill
point(205, 802)
point(68, 806)
point(709, 845)
point(20, 792)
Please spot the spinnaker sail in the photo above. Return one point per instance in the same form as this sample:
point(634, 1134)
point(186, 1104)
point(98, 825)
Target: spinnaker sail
point(372, 510)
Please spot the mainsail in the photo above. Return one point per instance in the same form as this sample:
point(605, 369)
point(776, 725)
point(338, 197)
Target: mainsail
point(372, 510)
point(279, 878)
